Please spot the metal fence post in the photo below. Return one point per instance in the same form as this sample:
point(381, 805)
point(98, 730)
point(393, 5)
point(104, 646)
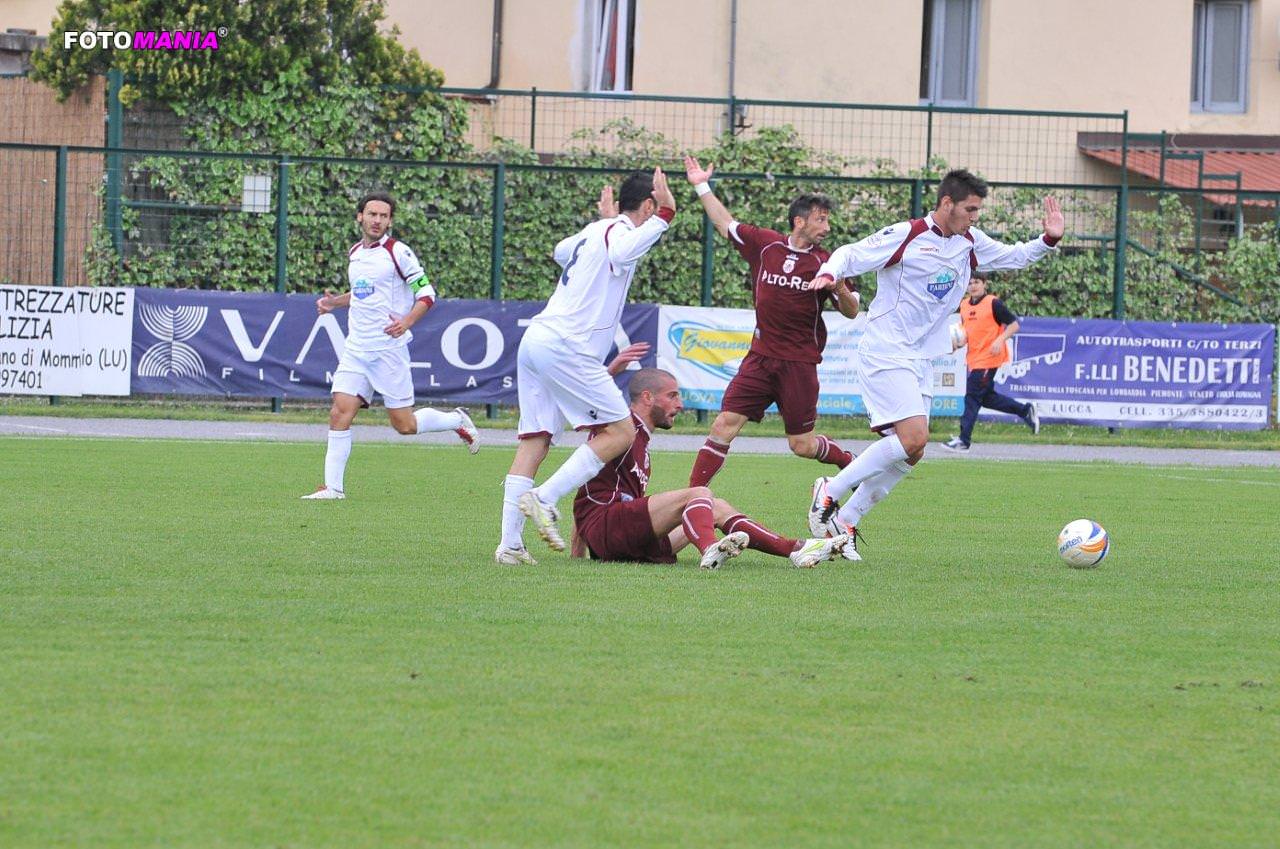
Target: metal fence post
point(496, 248)
point(499, 230)
point(115, 138)
point(928, 139)
point(533, 118)
point(708, 274)
point(60, 217)
point(1122, 225)
point(59, 228)
point(917, 198)
point(282, 242)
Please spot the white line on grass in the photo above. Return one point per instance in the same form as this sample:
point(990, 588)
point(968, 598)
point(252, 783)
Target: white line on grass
point(34, 427)
point(1218, 480)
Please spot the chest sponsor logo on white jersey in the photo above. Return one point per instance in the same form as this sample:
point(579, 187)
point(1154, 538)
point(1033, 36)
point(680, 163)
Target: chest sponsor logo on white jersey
point(787, 281)
point(941, 283)
point(361, 289)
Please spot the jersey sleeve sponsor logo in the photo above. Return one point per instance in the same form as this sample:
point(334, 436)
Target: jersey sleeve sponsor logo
point(361, 289)
point(941, 283)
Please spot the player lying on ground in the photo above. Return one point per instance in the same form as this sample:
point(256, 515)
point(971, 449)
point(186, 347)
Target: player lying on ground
point(389, 293)
point(560, 371)
point(615, 520)
point(922, 272)
point(782, 365)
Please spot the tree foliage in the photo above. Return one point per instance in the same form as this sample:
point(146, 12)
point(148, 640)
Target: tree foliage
point(316, 40)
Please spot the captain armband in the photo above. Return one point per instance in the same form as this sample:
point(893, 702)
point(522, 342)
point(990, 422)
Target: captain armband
point(423, 290)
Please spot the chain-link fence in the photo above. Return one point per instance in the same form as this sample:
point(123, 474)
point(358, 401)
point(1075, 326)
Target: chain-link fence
point(260, 222)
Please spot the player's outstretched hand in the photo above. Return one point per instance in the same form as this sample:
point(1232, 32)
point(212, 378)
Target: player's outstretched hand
point(324, 303)
point(608, 206)
point(1055, 224)
point(824, 281)
point(661, 191)
point(695, 173)
point(628, 355)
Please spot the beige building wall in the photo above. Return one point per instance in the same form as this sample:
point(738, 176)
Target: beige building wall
point(27, 14)
point(1087, 55)
point(1108, 56)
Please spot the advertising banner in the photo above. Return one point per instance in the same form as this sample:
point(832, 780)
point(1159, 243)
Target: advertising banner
point(703, 347)
point(265, 345)
point(1143, 374)
point(71, 340)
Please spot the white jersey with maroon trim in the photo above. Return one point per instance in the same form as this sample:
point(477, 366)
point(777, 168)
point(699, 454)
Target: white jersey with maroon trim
point(386, 278)
point(921, 277)
point(599, 262)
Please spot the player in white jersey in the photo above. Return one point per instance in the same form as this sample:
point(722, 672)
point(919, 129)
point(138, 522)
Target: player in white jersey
point(389, 293)
point(922, 272)
point(560, 371)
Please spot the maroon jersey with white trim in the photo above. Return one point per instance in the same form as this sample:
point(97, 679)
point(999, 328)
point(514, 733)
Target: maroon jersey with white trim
point(623, 479)
point(789, 323)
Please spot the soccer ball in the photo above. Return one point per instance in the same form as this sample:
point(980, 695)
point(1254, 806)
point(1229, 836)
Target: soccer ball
point(1083, 543)
point(958, 338)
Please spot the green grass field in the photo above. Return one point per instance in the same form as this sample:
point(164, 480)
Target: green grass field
point(194, 657)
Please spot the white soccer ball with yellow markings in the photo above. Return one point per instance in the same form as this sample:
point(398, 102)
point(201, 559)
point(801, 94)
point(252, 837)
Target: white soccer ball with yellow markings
point(1083, 543)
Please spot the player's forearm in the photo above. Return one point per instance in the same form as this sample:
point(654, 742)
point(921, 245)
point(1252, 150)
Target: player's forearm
point(847, 301)
point(629, 246)
point(1008, 331)
point(716, 211)
point(343, 300)
point(419, 310)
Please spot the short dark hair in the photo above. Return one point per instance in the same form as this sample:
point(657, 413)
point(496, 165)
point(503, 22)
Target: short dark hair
point(647, 380)
point(382, 196)
point(636, 189)
point(804, 205)
point(959, 185)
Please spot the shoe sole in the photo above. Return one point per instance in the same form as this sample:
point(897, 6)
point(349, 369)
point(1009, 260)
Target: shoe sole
point(549, 533)
point(730, 546)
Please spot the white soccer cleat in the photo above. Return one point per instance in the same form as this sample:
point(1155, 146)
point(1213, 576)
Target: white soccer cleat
point(822, 510)
point(325, 494)
point(817, 550)
point(544, 517)
point(728, 546)
point(514, 556)
point(468, 432)
point(849, 551)
point(1033, 420)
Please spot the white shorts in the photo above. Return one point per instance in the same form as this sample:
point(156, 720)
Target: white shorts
point(556, 385)
point(386, 372)
point(895, 388)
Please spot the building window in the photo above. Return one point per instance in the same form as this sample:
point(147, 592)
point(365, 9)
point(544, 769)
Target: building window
point(948, 53)
point(1220, 56)
point(610, 30)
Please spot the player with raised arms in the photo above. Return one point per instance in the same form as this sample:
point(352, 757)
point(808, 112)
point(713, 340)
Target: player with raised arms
point(922, 271)
point(389, 293)
point(782, 365)
point(560, 371)
point(616, 519)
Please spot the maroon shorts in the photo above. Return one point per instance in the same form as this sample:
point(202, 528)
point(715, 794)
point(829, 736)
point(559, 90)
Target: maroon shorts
point(624, 532)
point(762, 381)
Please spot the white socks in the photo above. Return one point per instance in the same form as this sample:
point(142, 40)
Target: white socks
point(876, 459)
point(582, 466)
point(431, 420)
point(872, 490)
point(335, 459)
point(512, 518)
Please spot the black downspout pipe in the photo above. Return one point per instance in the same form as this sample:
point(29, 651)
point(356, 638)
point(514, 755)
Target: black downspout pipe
point(495, 49)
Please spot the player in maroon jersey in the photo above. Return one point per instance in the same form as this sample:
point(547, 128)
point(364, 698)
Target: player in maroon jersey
point(615, 519)
point(782, 365)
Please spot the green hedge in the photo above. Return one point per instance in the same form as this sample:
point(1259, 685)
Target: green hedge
point(447, 213)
